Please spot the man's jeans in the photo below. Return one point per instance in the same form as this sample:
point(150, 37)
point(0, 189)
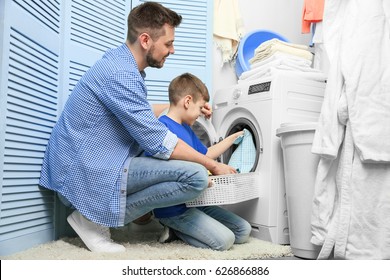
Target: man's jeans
point(154, 183)
point(209, 227)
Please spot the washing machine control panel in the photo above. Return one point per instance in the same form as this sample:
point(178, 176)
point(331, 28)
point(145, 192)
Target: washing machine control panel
point(257, 88)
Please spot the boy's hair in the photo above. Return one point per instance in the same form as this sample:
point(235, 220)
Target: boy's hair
point(150, 17)
point(187, 84)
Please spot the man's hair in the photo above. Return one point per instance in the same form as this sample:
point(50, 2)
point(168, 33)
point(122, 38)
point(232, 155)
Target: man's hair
point(187, 84)
point(150, 17)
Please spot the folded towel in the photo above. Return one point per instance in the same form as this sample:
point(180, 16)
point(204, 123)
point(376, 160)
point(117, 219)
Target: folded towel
point(282, 56)
point(275, 41)
point(297, 65)
point(244, 157)
point(270, 47)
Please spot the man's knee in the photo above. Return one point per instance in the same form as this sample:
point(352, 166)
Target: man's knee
point(197, 177)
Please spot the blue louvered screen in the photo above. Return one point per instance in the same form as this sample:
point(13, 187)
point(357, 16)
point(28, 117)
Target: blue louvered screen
point(28, 112)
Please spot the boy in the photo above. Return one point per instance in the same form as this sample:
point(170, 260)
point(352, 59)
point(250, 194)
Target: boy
point(211, 226)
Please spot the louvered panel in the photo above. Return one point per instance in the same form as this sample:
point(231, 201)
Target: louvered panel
point(21, 136)
point(191, 35)
point(42, 216)
point(25, 167)
point(29, 198)
point(97, 24)
point(14, 201)
point(17, 123)
point(20, 160)
point(31, 112)
point(15, 182)
point(11, 176)
point(23, 50)
point(20, 92)
point(158, 97)
point(10, 153)
point(16, 145)
point(23, 66)
point(26, 107)
point(46, 12)
point(157, 91)
point(76, 71)
point(24, 226)
point(21, 112)
point(21, 189)
point(48, 122)
point(25, 210)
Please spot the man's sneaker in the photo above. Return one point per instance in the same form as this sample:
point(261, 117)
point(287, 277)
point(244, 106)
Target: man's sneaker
point(96, 237)
point(168, 235)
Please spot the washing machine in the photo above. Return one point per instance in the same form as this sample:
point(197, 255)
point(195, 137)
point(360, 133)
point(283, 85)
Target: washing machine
point(261, 106)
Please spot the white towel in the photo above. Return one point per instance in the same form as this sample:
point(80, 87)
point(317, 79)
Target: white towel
point(268, 48)
point(228, 27)
point(282, 61)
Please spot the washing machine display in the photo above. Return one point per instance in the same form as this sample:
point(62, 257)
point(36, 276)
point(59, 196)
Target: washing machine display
point(261, 106)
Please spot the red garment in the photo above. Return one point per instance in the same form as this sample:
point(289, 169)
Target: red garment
point(313, 11)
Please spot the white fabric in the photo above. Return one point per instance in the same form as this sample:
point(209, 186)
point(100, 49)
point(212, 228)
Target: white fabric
point(228, 27)
point(354, 206)
point(269, 47)
point(362, 70)
point(282, 61)
point(351, 205)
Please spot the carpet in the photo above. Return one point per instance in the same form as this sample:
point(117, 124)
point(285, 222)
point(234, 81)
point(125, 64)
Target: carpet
point(141, 244)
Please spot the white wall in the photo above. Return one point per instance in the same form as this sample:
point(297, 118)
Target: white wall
point(280, 16)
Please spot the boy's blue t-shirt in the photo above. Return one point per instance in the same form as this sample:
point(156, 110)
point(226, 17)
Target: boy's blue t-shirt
point(185, 133)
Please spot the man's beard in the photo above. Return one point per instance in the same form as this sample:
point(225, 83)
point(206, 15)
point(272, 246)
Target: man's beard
point(153, 62)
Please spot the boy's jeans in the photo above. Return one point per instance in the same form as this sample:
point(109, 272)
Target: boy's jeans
point(209, 227)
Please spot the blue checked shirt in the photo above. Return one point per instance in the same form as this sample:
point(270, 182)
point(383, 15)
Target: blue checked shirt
point(106, 121)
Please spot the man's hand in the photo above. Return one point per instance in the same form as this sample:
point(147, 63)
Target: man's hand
point(222, 169)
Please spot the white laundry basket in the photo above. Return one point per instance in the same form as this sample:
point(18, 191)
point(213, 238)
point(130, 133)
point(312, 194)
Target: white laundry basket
point(229, 189)
point(300, 168)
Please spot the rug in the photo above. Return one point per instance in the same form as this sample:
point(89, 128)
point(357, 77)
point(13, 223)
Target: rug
point(141, 244)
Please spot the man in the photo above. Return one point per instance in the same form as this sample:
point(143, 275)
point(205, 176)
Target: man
point(92, 158)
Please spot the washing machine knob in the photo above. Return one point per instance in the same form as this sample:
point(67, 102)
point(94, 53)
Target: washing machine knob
point(237, 93)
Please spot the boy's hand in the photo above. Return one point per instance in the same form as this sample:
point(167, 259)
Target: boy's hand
point(207, 111)
point(238, 134)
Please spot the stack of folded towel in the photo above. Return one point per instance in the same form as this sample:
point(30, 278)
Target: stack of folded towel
point(275, 54)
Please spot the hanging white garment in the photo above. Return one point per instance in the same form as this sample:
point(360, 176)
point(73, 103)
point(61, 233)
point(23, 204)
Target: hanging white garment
point(228, 27)
point(351, 205)
point(365, 64)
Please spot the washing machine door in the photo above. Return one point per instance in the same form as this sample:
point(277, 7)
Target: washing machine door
point(205, 131)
